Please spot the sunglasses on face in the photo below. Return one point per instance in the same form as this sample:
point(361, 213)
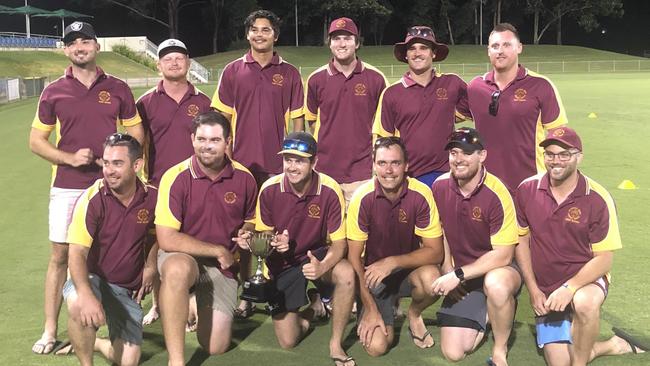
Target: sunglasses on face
point(119, 137)
point(298, 145)
point(423, 32)
point(493, 108)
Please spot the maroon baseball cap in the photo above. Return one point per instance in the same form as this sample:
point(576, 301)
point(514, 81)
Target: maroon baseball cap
point(422, 34)
point(562, 136)
point(343, 24)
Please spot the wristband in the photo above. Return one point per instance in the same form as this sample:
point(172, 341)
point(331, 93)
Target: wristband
point(569, 287)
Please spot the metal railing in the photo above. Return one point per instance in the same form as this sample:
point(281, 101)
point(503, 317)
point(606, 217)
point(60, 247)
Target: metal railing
point(471, 69)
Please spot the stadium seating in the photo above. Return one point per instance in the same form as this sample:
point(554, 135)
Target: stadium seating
point(21, 42)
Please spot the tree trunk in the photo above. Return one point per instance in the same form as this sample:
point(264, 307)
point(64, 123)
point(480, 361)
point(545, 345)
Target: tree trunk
point(172, 10)
point(536, 28)
point(325, 29)
point(475, 25)
point(451, 34)
point(558, 38)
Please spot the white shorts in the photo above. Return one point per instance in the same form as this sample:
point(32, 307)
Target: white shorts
point(62, 201)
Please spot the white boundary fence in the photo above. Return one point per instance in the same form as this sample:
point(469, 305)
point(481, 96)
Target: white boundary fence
point(544, 67)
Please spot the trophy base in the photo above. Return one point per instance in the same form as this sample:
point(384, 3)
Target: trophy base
point(257, 292)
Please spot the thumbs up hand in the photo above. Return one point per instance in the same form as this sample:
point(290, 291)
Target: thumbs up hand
point(314, 269)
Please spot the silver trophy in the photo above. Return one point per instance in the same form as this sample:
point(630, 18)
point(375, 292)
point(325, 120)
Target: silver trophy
point(257, 288)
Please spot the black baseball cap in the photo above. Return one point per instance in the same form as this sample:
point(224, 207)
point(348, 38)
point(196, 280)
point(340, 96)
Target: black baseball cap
point(466, 139)
point(299, 143)
point(78, 30)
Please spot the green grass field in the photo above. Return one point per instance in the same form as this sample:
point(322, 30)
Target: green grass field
point(614, 145)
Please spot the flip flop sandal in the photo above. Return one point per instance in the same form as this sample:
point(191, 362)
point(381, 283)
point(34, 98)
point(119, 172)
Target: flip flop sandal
point(247, 312)
point(422, 339)
point(344, 361)
point(45, 347)
point(631, 340)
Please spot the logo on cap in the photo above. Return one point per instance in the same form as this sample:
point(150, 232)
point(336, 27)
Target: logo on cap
point(277, 79)
point(360, 89)
point(143, 216)
point(340, 23)
point(313, 211)
point(192, 110)
point(573, 215)
point(558, 133)
point(441, 93)
point(76, 26)
point(171, 42)
point(520, 95)
point(476, 214)
point(230, 197)
point(104, 97)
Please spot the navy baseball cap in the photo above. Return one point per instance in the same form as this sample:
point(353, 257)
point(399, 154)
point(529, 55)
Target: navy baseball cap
point(76, 30)
point(299, 143)
point(466, 139)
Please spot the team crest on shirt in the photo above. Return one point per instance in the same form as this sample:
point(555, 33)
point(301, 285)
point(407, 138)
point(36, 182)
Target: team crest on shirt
point(441, 93)
point(313, 211)
point(277, 80)
point(230, 197)
point(573, 215)
point(401, 216)
point(477, 215)
point(520, 95)
point(360, 89)
point(143, 216)
point(104, 97)
point(192, 110)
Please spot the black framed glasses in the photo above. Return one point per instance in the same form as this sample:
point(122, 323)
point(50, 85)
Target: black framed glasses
point(562, 155)
point(423, 32)
point(493, 108)
point(298, 145)
point(119, 137)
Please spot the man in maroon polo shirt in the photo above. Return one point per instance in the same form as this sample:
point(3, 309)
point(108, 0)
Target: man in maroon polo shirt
point(423, 105)
point(480, 283)
point(261, 94)
point(395, 244)
point(512, 107)
point(110, 236)
point(83, 107)
point(305, 208)
point(167, 112)
point(568, 234)
point(203, 203)
point(342, 99)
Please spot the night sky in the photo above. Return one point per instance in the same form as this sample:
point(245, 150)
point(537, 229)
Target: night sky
point(629, 34)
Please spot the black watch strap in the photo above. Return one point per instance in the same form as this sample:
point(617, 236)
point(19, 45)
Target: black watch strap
point(460, 274)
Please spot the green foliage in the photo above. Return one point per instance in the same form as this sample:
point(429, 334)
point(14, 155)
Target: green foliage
point(135, 56)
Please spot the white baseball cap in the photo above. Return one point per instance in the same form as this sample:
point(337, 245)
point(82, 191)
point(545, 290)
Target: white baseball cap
point(171, 45)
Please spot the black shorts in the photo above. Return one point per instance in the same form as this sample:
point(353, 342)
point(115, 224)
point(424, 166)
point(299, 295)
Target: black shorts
point(291, 288)
point(393, 287)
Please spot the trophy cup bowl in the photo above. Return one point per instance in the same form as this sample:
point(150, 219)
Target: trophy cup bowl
point(257, 288)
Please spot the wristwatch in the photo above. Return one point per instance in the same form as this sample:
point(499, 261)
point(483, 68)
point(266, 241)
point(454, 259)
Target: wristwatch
point(460, 274)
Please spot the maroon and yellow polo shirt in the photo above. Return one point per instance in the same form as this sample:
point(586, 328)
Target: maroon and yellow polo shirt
point(343, 110)
point(83, 118)
point(168, 125)
point(116, 235)
point(528, 106)
point(474, 225)
point(210, 211)
point(262, 102)
point(423, 117)
point(564, 237)
point(392, 228)
point(309, 219)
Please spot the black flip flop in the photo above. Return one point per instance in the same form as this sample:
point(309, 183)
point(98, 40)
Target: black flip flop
point(422, 339)
point(631, 340)
point(344, 360)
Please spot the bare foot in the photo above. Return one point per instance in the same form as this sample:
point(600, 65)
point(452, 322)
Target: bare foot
point(151, 316)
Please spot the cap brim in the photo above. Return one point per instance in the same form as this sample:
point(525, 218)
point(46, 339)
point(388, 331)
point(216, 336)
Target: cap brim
point(74, 35)
point(464, 146)
point(295, 152)
point(556, 141)
point(171, 49)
